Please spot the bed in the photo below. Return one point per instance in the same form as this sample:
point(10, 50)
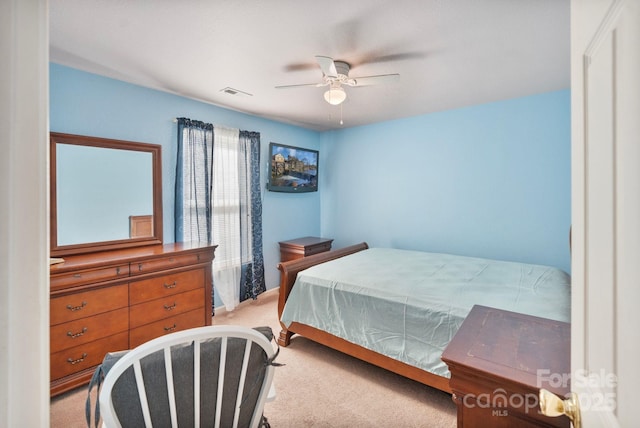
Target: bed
point(398, 309)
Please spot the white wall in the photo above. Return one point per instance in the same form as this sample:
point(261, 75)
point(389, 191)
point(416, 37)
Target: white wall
point(24, 270)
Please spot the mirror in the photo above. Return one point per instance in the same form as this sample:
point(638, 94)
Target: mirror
point(105, 194)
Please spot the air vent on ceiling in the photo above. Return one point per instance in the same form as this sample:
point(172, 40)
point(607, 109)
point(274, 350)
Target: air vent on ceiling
point(235, 92)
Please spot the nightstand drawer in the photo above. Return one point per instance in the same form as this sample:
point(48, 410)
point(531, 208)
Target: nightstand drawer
point(161, 286)
point(87, 303)
point(165, 307)
point(169, 325)
point(320, 248)
point(303, 247)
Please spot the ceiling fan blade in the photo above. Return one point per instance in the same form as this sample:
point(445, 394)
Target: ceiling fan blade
point(327, 66)
point(373, 80)
point(317, 85)
point(376, 58)
point(301, 66)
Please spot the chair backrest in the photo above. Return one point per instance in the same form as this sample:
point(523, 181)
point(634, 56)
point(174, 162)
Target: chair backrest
point(208, 376)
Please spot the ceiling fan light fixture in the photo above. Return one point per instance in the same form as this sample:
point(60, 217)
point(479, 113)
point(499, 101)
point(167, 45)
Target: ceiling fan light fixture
point(335, 96)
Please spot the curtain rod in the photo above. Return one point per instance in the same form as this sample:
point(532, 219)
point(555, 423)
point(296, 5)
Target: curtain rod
point(175, 120)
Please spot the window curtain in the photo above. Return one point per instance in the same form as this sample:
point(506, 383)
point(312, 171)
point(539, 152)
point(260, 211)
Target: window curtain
point(253, 283)
point(228, 186)
point(218, 199)
point(193, 181)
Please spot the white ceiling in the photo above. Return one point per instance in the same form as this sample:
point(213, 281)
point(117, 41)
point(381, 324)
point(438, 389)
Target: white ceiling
point(449, 53)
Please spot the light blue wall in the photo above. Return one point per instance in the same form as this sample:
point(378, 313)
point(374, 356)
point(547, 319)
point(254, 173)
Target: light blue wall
point(490, 180)
point(88, 104)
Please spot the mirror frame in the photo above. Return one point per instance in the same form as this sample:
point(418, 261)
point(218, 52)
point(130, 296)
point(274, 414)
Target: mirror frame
point(88, 247)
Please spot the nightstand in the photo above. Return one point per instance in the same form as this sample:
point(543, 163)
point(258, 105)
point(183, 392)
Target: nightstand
point(302, 247)
point(499, 361)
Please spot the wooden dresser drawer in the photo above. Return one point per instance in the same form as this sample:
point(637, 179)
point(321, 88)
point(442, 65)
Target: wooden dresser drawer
point(87, 303)
point(183, 321)
point(92, 276)
point(164, 263)
point(161, 286)
point(158, 309)
point(85, 356)
point(85, 330)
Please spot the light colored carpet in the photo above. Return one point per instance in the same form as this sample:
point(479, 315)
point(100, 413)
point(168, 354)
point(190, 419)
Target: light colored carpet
point(317, 386)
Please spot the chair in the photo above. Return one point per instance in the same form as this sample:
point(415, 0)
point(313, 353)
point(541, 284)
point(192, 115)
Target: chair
point(216, 376)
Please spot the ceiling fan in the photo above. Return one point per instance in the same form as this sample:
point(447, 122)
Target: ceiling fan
point(336, 73)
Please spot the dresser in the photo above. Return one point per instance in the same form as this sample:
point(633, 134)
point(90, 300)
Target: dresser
point(114, 300)
point(499, 361)
point(303, 247)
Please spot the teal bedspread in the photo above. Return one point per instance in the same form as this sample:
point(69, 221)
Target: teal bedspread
point(409, 304)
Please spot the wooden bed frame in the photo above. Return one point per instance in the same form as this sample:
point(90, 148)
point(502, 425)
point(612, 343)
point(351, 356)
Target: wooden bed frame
point(288, 273)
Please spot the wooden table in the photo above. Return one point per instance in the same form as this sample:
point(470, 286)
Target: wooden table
point(499, 361)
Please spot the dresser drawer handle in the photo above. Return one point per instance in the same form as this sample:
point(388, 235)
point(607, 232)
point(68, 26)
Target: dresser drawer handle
point(78, 334)
point(173, 327)
point(76, 308)
point(170, 308)
point(79, 360)
point(172, 285)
